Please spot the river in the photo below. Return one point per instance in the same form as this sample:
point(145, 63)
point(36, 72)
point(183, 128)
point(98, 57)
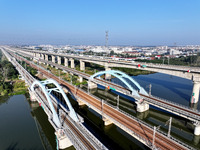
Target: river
point(168, 87)
point(24, 125)
point(17, 127)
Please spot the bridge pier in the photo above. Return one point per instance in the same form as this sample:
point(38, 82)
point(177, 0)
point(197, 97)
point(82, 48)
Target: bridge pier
point(142, 107)
point(59, 60)
point(82, 65)
point(92, 85)
point(53, 58)
point(46, 57)
point(41, 56)
point(72, 63)
point(195, 92)
point(197, 129)
point(194, 106)
point(37, 55)
point(34, 54)
point(142, 115)
point(66, 61)
point(80, 102)
point(107, 121)
point(196, 140)
point(107, 76)
point(80, 78)
point(62, 140)
point(32, 96)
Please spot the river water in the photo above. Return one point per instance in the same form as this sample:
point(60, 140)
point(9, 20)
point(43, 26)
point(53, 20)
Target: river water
point(168, 87)
point(17, 126)
point(24, 125)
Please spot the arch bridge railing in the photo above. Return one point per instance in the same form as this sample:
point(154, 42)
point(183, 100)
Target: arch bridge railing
point(124, 78)
point(47, 92)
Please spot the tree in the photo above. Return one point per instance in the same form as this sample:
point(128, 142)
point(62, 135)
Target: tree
point(112, 53)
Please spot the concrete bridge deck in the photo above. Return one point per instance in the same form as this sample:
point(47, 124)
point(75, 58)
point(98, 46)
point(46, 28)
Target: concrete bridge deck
point(176, 70)
point(136, 128)
point(76, 132)
point(169, 106)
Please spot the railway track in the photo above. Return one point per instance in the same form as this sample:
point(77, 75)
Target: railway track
point(87, 144)
point(160, 142)
point(178, 107)
point(167, 103)
point(142, 130)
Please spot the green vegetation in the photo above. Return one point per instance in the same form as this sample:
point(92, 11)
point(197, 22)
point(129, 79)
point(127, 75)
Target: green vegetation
point(19, 87)
point(31, 70)
point(63, 75)
point(112, 53)
point(185, 61)
point(132, 72)
point(9, 83)
point(90, 68)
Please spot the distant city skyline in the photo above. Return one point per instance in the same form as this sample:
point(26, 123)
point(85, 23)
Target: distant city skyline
point(129, 22)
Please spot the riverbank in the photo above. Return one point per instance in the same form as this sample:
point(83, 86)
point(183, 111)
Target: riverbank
point(133, 72)
point(19, 127)
point(10, 84)
point(15, 87)
point(19, 87)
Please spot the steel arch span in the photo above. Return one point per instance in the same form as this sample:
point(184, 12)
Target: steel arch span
point(47, 93)
point(122, 76)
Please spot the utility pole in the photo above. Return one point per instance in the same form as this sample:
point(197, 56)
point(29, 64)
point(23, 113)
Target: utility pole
point(170, 124)
point(59, 76)
point(154, 133)
point(118, 102)
point(102, 107)
point(150, 86)
point(38, 65)
point(75, 89)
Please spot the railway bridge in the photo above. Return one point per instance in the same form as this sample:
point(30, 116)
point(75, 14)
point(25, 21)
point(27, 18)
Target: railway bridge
point(68, 126)
point(191, 73)
point(135, 127)
point(143, 100)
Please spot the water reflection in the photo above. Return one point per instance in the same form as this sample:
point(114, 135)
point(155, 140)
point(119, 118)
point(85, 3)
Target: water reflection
point(194, 106)
point(17, 127)
point(182, 129)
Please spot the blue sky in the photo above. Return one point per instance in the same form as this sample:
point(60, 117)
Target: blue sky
point(79, 22)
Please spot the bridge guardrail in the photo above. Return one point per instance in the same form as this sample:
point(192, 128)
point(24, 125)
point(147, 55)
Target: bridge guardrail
point(40, 67)
point(183, 106)
point(160, 104)
point(119, 61)
point(151, 127)
point(49, 112)
point(152, 96)
point(183, 112)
